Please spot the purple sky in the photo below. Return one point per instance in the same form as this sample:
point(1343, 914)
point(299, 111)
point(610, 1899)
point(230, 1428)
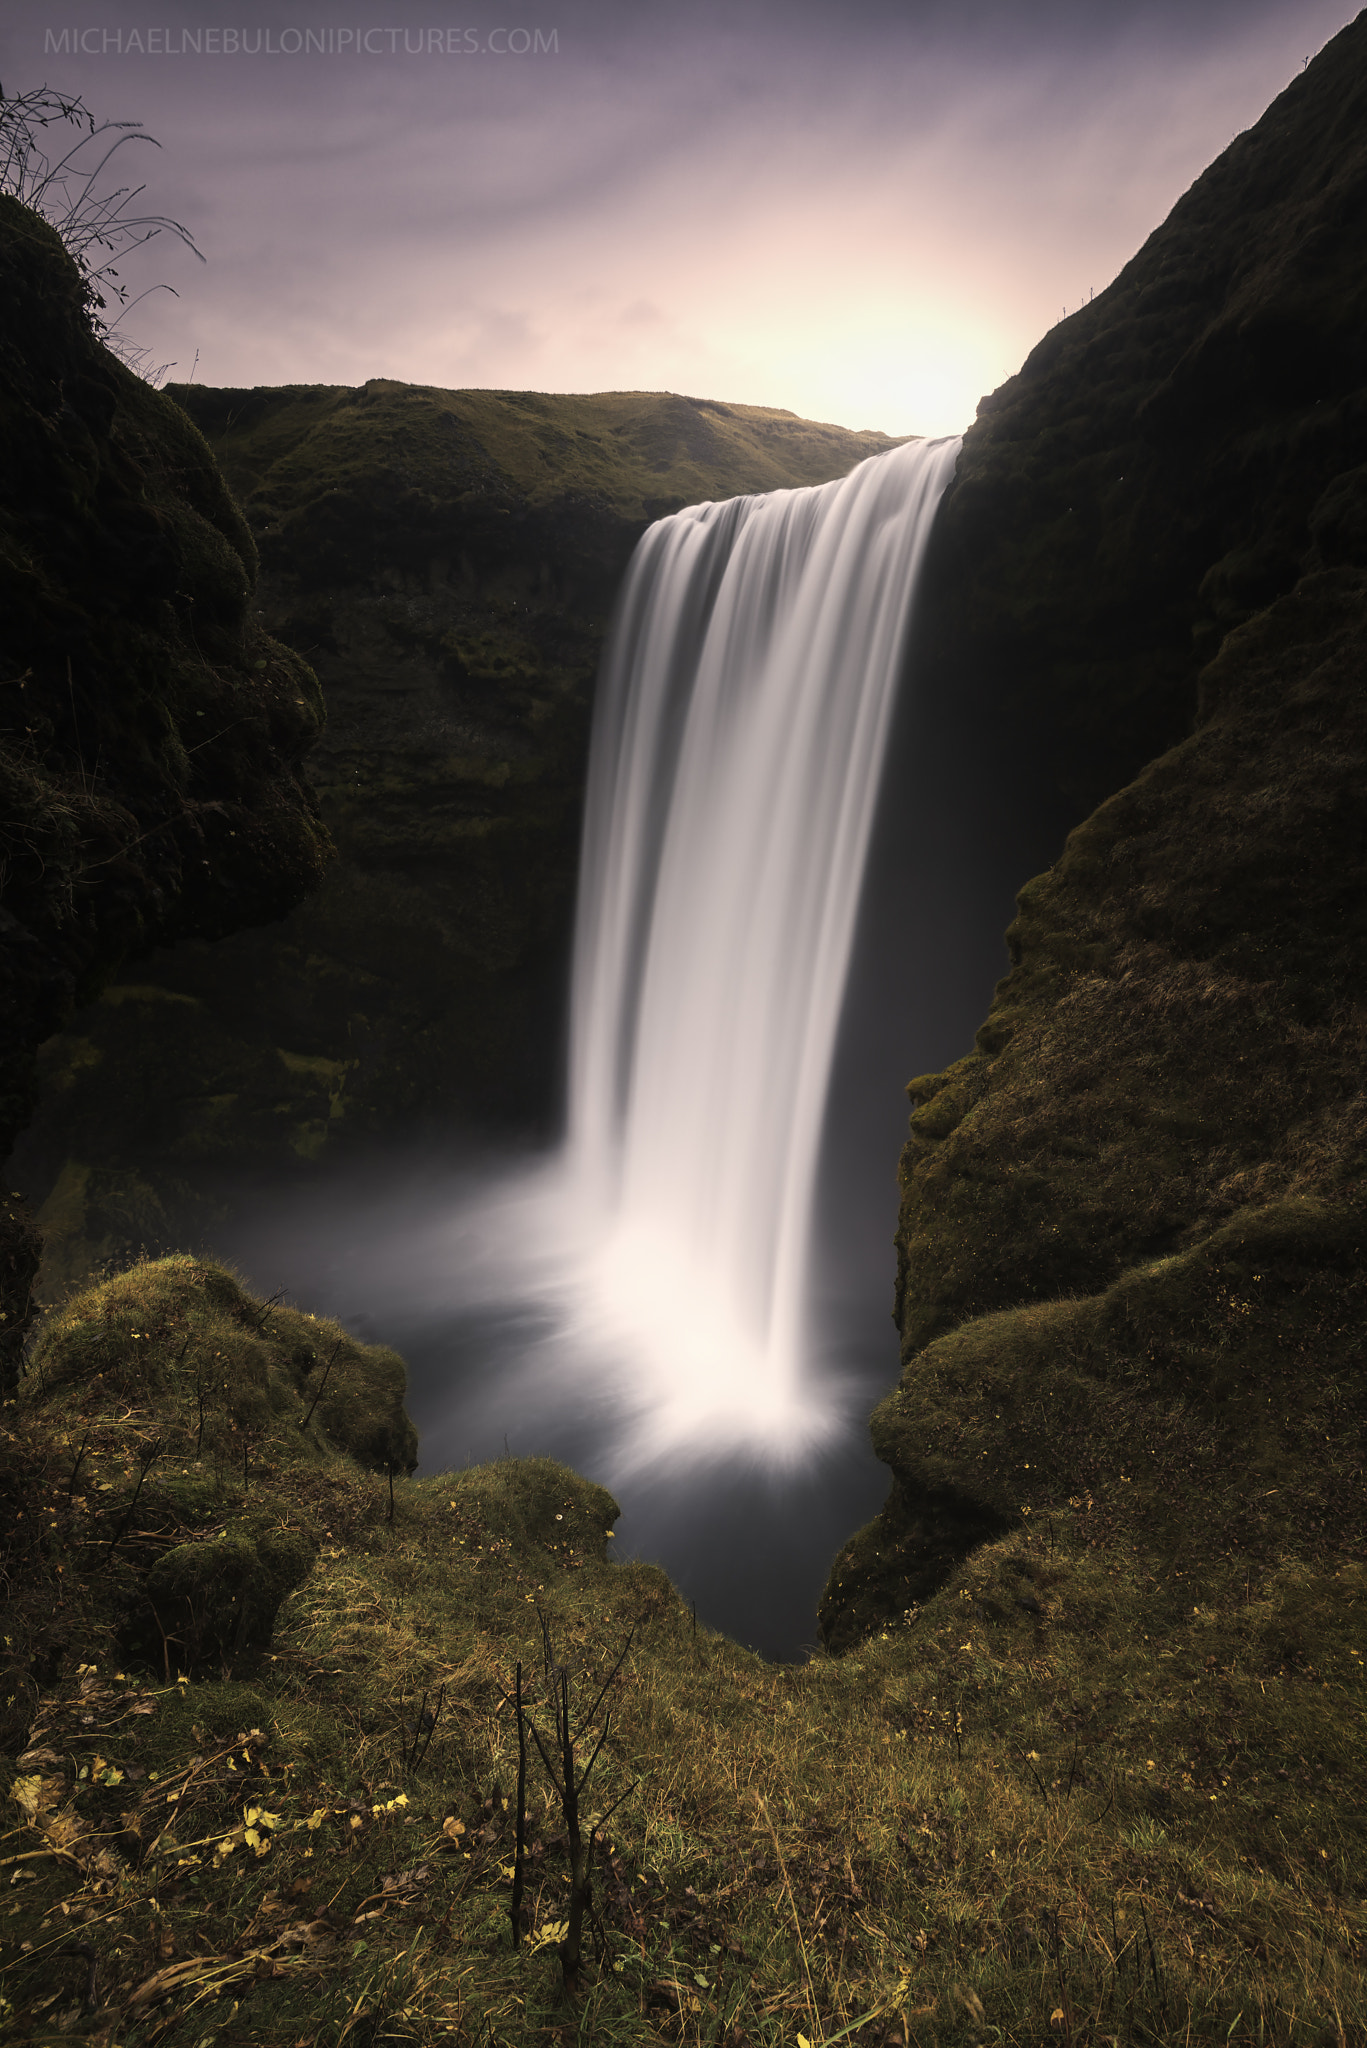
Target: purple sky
point(866, 212)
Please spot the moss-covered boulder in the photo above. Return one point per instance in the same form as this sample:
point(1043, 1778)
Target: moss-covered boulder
point(211, 1600)
point(173, 1466)
point(150, 730)
point(259, 1384)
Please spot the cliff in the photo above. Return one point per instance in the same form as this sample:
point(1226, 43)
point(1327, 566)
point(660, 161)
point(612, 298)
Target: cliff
point(1093, 1769)
point(447, 561)
point(1130, 1238)
point(150, 730)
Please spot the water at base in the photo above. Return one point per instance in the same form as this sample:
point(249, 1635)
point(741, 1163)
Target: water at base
point(641, 1305)
point(444, 1263)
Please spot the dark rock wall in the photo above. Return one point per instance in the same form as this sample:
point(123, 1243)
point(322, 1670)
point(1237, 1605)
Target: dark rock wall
point(1131, 1234)
point(1170, 458)
point(150, 729)
point(447, 561)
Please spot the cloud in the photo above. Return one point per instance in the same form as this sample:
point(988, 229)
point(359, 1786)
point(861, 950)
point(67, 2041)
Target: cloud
point(868, 216)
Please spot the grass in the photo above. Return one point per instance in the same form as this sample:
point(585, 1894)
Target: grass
point(1064, 1799)
point(634, 453)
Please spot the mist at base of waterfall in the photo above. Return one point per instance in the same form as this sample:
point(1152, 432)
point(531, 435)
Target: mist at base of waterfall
point(751, 1546)
point(473, 1273)
point(962, 821)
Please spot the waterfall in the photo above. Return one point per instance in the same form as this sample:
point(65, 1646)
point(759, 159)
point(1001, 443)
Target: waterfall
point(742, 714)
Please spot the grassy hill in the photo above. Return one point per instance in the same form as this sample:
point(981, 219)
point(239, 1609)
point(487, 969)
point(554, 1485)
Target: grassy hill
point(1082, 1759)
point(638, 453)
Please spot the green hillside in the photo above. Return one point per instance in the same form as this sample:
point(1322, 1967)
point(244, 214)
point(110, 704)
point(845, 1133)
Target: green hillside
point(636, 453)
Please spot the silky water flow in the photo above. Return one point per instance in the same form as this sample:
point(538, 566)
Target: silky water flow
point(640, 1304)
point(742, 714)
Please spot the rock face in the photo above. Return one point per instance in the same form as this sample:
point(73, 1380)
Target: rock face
point(447, 561)
point(150, 730)
point(1170, 458)
point(1132, 1218)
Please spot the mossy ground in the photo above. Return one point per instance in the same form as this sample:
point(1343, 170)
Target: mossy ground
point(1132, 1220)
point(1067, 1798)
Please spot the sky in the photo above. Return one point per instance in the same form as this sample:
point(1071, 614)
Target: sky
point(865, 213)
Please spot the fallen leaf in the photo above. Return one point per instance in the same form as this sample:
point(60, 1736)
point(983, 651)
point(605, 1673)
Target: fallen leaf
point(26, 1793)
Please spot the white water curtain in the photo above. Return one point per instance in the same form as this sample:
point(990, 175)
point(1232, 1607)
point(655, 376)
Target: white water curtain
point(739, 734)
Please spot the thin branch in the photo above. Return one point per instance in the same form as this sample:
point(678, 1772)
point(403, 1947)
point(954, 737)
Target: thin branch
point(592, 1714)
point(147, 1458)
point(321, 1384)
point(520, 1840)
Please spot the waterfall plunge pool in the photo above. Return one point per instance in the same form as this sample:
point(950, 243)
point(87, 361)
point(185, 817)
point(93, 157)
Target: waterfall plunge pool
point(665, 1301)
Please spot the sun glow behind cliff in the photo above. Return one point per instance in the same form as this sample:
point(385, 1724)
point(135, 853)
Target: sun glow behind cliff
point(742, 715)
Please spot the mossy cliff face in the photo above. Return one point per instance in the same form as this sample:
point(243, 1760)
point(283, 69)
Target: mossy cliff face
point(150, 730)
point(1132, 1223)
point(1170, 458)
point(448, 562)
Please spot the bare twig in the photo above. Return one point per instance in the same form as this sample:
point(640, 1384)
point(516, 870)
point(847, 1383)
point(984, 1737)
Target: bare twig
point(266, 1308)
point(80, 1456)
point(424, 1726)
point(147, 1457)
point(1153, 1963)
point(520, 1839)
point(321, 1385)
point(569, 1782)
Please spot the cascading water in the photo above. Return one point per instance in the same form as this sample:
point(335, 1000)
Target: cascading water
point(639, 1305)
point(742, 714)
